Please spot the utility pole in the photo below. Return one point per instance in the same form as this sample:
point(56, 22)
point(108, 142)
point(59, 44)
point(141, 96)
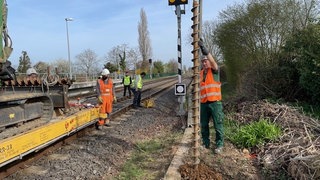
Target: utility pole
point(69, 59)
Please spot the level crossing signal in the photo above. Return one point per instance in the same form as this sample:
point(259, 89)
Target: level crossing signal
point(177, 2)
point(180, 90)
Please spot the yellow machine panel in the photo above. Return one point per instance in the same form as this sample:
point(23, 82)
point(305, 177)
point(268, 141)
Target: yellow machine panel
point(18, 146)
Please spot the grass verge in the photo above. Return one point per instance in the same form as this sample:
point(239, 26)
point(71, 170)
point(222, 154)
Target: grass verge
point(150, 159)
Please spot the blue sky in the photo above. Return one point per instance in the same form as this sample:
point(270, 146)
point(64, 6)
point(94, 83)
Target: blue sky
point(39, 27)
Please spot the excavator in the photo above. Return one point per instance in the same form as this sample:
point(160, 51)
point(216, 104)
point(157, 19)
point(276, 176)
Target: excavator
point(22, 101)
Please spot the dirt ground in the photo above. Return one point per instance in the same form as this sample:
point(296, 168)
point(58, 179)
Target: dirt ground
point(231, 164)
point(296, 155)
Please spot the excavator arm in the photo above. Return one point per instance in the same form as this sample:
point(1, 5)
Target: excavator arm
point(6, 71)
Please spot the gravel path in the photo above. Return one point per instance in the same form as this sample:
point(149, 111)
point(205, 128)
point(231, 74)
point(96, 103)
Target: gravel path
point(101, 153)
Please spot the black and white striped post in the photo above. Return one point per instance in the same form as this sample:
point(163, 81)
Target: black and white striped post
point(180, 89)
point(181, 98)
point(178, 12)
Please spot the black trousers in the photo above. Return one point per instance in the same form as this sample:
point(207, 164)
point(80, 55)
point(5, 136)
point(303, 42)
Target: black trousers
point(137, 98)
point(126, 87)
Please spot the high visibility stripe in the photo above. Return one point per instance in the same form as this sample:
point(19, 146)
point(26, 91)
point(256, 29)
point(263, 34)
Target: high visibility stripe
point(103, 115)
point(105, 94)
point(210, 94)
point(210, 86)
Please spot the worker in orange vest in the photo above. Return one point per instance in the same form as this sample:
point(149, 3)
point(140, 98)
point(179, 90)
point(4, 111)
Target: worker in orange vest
point(106, 97)
point(210, 98)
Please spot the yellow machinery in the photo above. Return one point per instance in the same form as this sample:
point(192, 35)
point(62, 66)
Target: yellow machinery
point(22, 101)
point(28, 100)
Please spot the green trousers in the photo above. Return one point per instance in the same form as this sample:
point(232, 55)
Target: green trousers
point(213, 110)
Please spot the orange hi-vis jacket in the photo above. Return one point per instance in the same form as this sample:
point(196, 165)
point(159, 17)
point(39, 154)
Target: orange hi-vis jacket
point(106, 95)
point(210, 90)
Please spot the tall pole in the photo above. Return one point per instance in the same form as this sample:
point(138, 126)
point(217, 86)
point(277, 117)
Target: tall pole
point(196, 83)
point(181, 98)
point(178, 12)
point(200, 19)
point(70, 65)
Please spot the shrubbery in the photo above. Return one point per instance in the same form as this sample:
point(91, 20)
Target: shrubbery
point(253, 134)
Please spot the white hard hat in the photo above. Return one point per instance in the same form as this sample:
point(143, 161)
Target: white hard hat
point(105, 72)
point(31, 71)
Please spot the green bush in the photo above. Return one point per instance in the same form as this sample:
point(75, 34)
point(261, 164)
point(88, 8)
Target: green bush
point(254, 134)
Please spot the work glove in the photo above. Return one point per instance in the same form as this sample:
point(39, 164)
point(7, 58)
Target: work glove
point(114, 99)
point(204, 50)
point(100, 99)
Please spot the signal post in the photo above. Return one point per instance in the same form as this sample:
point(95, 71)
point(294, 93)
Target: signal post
point(180, 89)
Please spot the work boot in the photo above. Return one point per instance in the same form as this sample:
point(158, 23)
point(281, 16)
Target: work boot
point(218, 150)
point(107, 122)
point(97, 126)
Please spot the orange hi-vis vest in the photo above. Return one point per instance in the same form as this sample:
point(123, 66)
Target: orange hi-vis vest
point(107, 95)
point(210, 90)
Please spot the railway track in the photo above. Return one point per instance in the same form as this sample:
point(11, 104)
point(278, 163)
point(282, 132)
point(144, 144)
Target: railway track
point(151, 89)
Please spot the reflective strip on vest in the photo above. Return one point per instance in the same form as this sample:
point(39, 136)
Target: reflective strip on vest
point(105, 94)
point(210, 94)
point(211, 86)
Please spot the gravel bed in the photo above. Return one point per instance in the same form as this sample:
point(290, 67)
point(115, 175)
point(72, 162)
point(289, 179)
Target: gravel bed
point(101, 153)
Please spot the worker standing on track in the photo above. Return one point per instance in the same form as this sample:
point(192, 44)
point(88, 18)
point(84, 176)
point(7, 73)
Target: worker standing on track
point(210, 98)
point(106, 97)
point(138, 84)
point(126, 81)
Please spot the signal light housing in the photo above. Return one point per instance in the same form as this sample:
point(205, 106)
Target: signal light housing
point(177, 2)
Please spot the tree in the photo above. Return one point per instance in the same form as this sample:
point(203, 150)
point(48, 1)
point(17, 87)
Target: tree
point(123, 63)
point(111, 67)
point(24, 62)
point(133, 57)
point(41, 67)
point(210, 39)
point(251, 36)
point(144, 41)
point(304, 46)
point(171, 66)
point(113, 56)
point(158, 67)
point(62, 66)
point(87, 62)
